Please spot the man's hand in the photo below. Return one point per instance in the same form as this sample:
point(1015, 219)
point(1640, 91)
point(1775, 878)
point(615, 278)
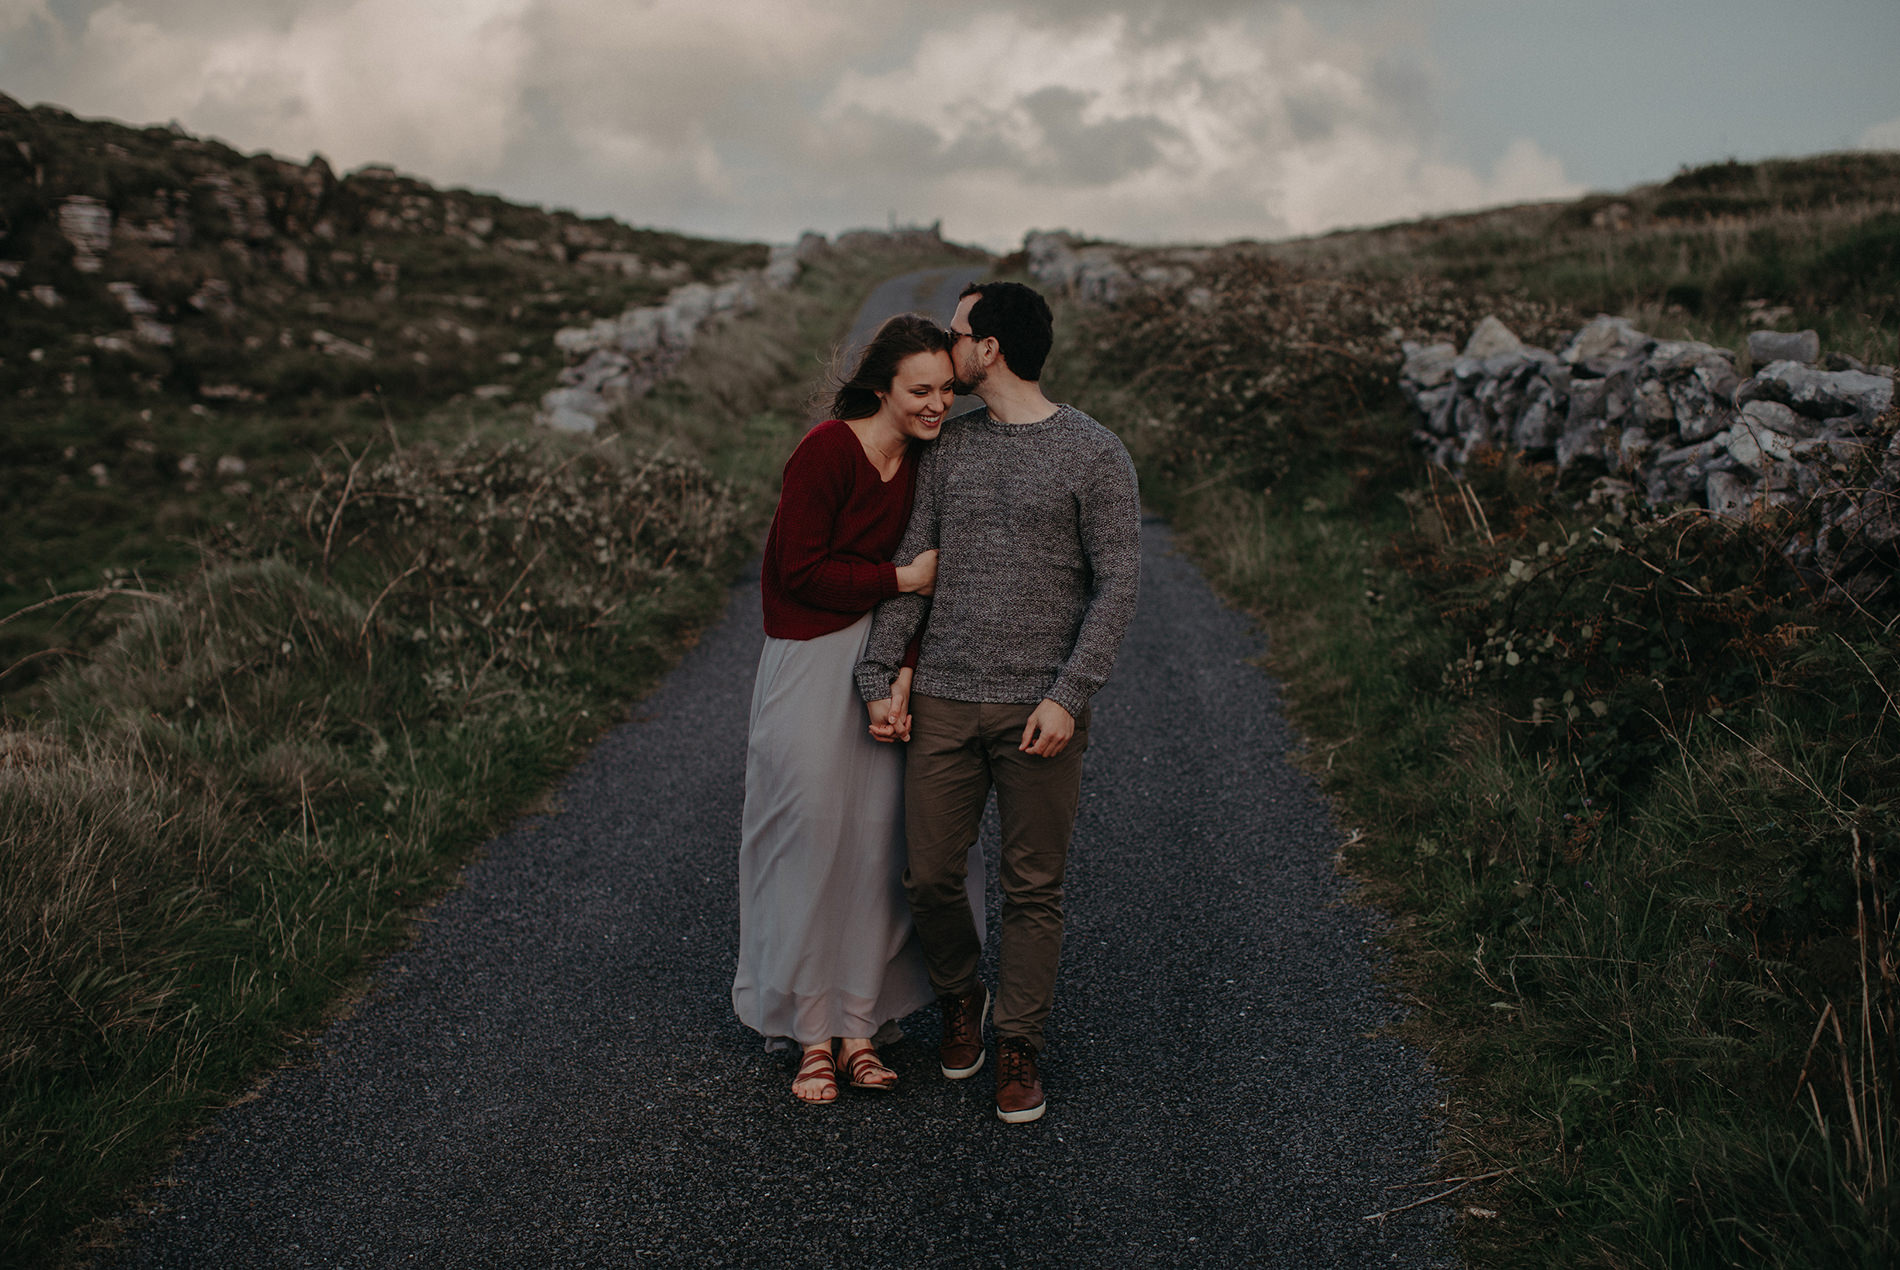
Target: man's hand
point(890, 717)
point(1048, 730)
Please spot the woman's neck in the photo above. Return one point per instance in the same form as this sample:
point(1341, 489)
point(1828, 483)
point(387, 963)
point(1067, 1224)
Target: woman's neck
point(883, 442)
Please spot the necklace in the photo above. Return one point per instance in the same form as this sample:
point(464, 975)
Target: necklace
point(867, 439)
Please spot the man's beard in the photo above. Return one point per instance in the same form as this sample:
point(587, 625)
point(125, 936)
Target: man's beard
point(964, 387)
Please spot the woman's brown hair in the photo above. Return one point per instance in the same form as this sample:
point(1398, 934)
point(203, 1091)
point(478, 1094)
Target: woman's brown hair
point(898, 338)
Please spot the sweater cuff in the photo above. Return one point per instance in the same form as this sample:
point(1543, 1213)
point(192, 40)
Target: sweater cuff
point(874, 683)
point(1070, 696)
point(887, 580)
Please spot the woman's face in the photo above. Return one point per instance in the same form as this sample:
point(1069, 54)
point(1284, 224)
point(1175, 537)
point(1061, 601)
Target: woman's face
point(920, 395)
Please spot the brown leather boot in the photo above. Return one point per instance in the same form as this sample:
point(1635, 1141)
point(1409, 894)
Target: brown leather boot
point(960, 1054)
point(1018, 1088)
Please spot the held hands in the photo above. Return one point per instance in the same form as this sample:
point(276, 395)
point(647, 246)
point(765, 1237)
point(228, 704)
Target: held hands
point(920, 575)
point(890, 718)
point(1048, 730)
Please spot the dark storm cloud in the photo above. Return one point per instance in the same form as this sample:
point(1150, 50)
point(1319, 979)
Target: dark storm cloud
point(1087, 153)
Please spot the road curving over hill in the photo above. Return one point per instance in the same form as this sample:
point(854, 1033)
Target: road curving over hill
point(552, 1074)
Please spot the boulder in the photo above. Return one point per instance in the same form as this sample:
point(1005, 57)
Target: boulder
point(1783, 346)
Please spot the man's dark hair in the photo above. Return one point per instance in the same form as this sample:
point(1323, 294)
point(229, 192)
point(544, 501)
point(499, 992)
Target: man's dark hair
point(1019, 320)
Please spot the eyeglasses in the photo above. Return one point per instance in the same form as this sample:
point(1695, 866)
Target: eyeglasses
point(956, 335)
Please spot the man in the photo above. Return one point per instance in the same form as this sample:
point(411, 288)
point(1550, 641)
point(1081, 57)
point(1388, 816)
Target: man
point(1034, 509)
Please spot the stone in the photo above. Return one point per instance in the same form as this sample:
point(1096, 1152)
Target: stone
point(1604, 336)
point(1676, 357)
point(337, 346)
point(296, 262)
point(1101, 279)
point(1429, 404)
point(87, 224)
point(1582, 439)
point(1698, 414)
point(1491, 338)
point(1633, 449)
point(47, 296)
point(1729, 495)
point(572, 410)
point(1538, 427)
point(151, 331)
point(1820, 394)
point(1774, 416)
point(1052, 260)
point(127, 294)
point(1783, 346)
point(1653, 405)
point(213, 297)
point(782, 267)
point(628, 264)
point(811, 247)
point(230, 465)
point(1428, 365)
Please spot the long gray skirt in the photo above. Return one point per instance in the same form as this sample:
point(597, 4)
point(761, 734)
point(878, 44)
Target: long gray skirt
point(826, 946)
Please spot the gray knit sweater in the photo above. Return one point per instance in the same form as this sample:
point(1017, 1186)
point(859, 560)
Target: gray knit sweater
point(1038, 525)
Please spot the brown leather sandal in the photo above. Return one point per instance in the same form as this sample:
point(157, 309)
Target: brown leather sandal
point(820, 1066)
point(868, 1071)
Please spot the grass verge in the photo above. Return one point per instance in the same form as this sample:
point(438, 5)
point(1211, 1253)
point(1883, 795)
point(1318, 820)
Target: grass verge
point(215, 821)
point(1624, 787)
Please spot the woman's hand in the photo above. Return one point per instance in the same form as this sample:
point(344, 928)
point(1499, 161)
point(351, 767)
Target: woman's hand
point(920, 575)
point(890, 717)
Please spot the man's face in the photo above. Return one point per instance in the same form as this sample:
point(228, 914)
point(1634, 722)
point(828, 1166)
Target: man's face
point(967, 355)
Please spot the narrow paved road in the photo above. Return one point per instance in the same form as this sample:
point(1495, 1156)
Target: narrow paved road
point(552, 1074)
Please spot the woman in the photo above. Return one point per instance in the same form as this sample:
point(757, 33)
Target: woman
point(826, 950)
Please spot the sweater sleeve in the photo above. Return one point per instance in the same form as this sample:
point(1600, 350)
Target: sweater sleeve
point(899, 622)
point(1110, 521)
point(817, 484)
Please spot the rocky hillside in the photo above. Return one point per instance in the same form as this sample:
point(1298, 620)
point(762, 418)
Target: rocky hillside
point(180, 324)
point(140, 263)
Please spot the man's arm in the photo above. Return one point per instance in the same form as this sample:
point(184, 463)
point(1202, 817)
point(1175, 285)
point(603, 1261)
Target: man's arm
point(1110, 529)
point(899, 618)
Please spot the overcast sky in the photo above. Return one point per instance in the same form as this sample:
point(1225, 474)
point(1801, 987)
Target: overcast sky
point(1145, 120)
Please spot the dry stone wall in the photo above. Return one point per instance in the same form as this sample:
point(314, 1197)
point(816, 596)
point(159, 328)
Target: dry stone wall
point(1676, 422)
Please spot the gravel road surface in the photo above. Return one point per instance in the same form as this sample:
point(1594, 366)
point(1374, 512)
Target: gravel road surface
point(552, 1074)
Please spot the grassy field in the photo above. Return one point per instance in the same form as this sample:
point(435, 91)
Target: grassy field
point(268, 763)
point(1624, 787)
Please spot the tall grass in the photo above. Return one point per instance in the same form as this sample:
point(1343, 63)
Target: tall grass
point(1626, 788)
point(214, 820)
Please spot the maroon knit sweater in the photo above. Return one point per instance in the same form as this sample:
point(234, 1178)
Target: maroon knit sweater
point(828, 556)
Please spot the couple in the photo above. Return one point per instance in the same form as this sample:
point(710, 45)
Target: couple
point(1018, 530)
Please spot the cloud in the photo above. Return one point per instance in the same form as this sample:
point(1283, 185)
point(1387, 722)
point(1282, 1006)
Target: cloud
point(430, 85)
point(1882, 136)
point(1140, 119)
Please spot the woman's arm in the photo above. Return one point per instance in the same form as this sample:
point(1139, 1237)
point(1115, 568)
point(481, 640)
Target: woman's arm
point(816, 487)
